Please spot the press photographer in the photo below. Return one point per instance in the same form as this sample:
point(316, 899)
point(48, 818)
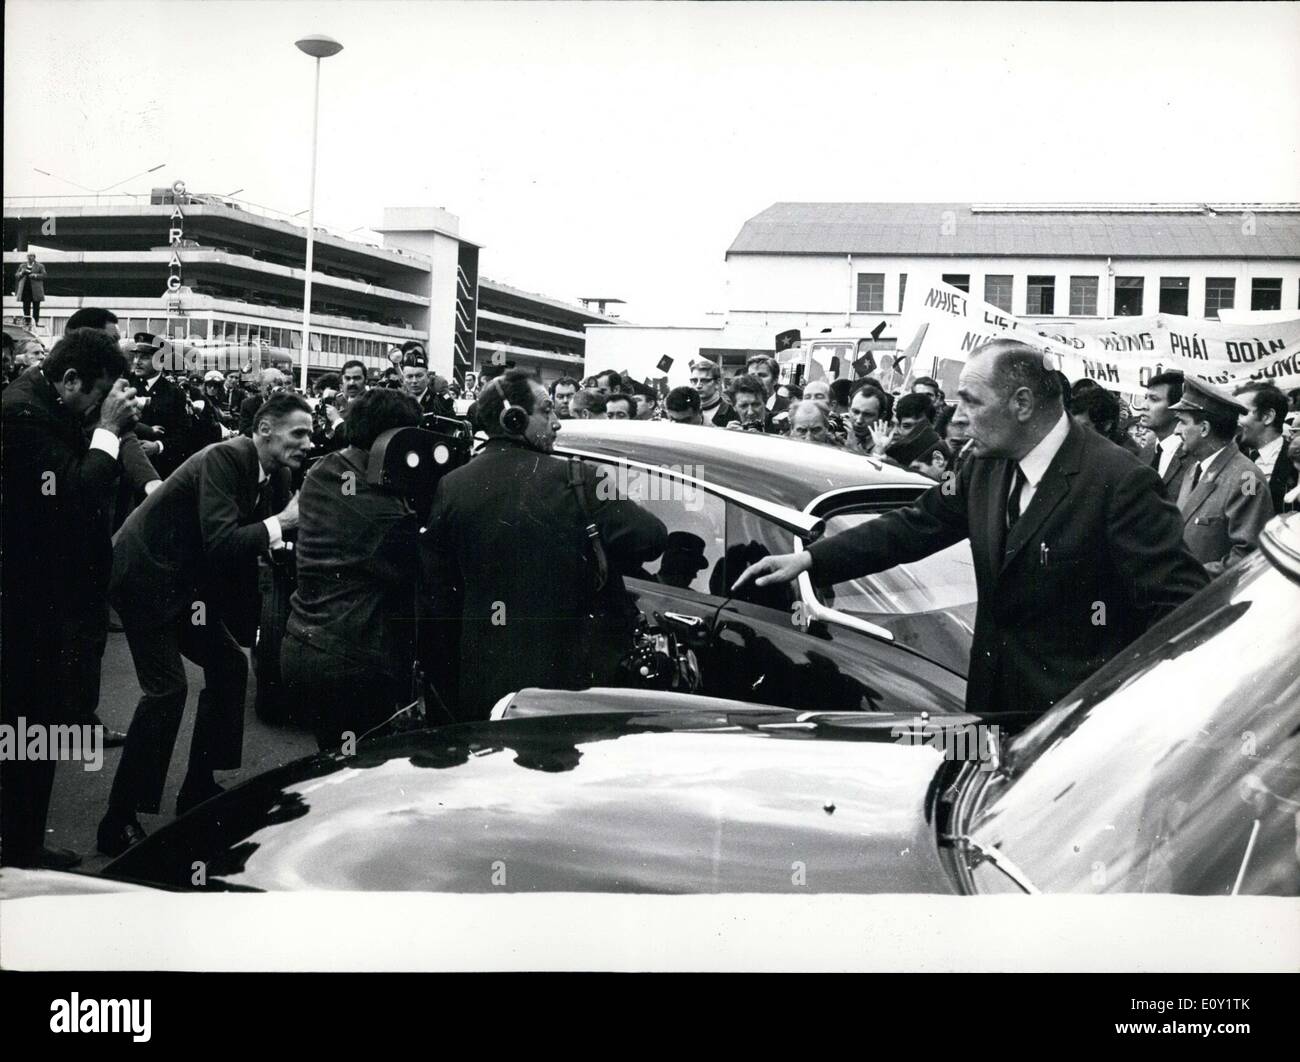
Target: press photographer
point(522, 560)
point(347, 652)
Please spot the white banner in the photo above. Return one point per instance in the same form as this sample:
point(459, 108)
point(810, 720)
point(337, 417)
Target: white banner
point(1120, 353)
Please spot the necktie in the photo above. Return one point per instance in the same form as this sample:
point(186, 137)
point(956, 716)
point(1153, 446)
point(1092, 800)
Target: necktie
point(1196, 475)
point(1155, 458)
point(1013, 499)
point(263, 507)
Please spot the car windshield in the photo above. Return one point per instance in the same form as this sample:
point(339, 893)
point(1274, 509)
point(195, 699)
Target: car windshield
point(1175, 768)
point(943, 580)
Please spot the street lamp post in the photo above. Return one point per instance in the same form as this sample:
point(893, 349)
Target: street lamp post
point(319, 47)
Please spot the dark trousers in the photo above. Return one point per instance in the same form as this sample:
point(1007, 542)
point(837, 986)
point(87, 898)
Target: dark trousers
point(334, 693)
point(27, 692)
point(83, 638)
point(218, 739)
point(51, 662)
point(32, 308)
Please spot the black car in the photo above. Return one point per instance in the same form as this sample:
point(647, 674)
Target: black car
point(896, 641)
point(1174, 769)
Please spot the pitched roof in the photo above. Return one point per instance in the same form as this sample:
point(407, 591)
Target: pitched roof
point(1154, 230)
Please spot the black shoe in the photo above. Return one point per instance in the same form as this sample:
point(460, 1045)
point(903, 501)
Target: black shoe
point(57, 859)
point(113, 840)
point(112, 738)
point(191, 795)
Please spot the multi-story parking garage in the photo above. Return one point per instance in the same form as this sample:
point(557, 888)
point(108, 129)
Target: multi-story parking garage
point(213, 269)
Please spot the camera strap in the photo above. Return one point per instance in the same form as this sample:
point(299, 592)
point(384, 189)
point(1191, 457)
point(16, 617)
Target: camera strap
point(577, 484)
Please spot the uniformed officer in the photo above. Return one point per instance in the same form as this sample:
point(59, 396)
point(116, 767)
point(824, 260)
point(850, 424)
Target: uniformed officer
point(1224, 497)
point(425, 387)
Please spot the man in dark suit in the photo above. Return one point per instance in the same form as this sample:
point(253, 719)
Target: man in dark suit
point(1163, 449)
point(1261, 431)
point(58, 481)
point(1224, 498)
point(184, 565)
point(163, 416)
point(511, 565)
point(1076, 550)
point(767, 371)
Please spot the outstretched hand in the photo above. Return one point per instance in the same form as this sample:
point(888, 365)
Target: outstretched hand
point(778, 568)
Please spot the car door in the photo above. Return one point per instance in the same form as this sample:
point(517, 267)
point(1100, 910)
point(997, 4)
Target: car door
point(758, 646)
point(770, 648)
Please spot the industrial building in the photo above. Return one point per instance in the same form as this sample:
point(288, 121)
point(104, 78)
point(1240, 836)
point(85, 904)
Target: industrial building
point(813, 266)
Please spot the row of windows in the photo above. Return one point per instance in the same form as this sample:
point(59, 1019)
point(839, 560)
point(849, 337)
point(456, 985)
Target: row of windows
point(1040, 294)
point(241, 333)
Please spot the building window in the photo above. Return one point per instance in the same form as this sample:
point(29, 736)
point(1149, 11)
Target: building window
point(1220, 294)
point(1266, 293)
point(1128, 296)
point(871, 293)
point(960, 281)
point(1040, 296)
point(1173, 295)
point(1083, 296)
point(997, 290)
point(902, 290)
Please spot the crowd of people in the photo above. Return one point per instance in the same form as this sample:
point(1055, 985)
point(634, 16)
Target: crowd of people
point(159, 494)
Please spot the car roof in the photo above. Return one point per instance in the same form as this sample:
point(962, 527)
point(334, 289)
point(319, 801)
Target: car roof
point(770, 466)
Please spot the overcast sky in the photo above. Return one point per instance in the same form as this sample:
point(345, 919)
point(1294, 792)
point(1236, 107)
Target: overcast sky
point(616, 149)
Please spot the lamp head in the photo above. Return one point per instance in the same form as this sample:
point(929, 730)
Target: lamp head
point(318, 46)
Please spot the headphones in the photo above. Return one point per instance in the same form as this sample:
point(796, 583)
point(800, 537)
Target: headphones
point(514, 419)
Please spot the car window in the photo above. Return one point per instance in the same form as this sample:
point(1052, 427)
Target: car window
point(943, 580)
point(696, 521)
point(750, 538)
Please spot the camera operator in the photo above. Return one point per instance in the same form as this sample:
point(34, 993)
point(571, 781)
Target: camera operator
point(58, 482)
point(513, 577)
point(749, 399)
point(347, 654)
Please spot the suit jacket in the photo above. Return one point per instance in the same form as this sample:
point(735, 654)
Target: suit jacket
point(1173, 477)
point(720, 415)
point(247, 409)
point(509, 577)
point(197, 538)
point(54, 513)
point(1224, 514)
point(1281, 479)
point(166, 410)
point(1096, 558)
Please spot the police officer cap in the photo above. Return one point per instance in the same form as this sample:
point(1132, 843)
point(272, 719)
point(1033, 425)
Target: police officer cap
point(146, 342)
point(1202, 397)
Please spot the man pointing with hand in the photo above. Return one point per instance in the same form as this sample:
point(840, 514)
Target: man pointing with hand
point(1076, 550)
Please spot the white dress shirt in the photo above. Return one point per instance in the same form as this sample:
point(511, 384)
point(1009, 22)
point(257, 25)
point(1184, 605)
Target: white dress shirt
point(1268, 455)
point(272, 522)
point(1034, 464)
point(1168, 446)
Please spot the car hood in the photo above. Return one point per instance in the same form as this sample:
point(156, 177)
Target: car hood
point(662, 802)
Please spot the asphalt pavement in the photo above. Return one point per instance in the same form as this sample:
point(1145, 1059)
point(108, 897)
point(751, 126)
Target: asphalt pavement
point(81, 796)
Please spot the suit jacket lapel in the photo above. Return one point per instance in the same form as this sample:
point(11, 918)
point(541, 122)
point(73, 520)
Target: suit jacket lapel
point(1054, 486)
point(1174, 466)
point(1192, 501)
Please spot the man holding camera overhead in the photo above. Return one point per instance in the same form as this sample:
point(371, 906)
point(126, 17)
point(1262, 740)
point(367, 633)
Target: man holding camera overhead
point(515, 575)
